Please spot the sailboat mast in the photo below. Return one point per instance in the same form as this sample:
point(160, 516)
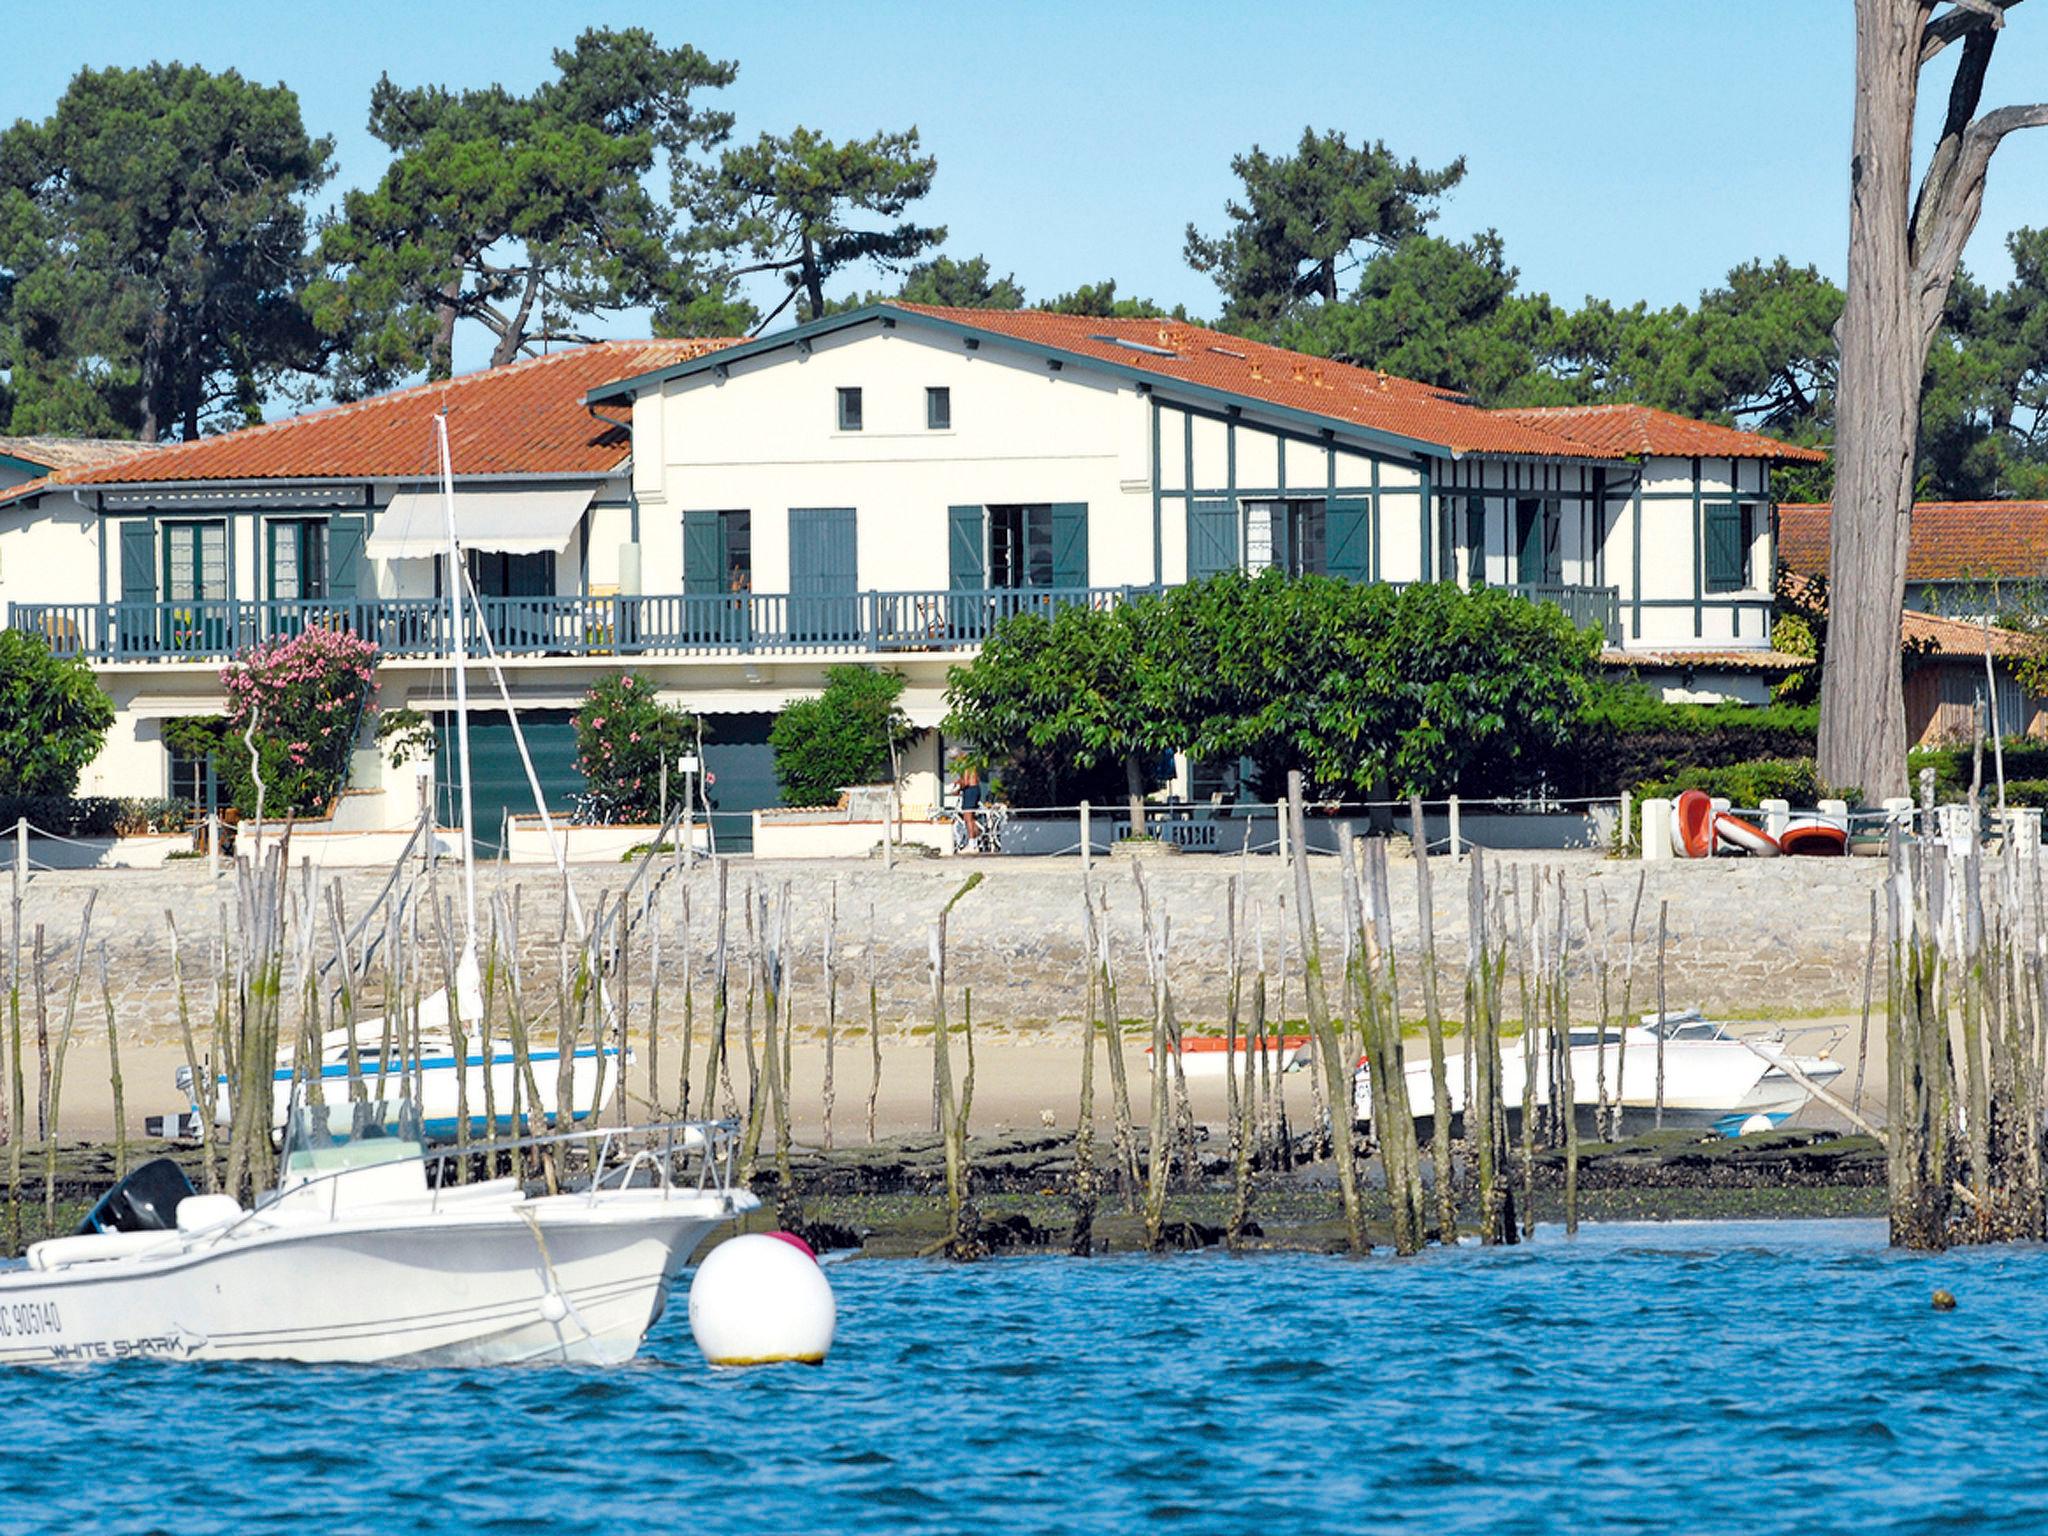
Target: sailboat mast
point(459, 651)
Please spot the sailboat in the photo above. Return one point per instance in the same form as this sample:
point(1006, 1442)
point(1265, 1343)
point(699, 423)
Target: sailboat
point(371, 1247)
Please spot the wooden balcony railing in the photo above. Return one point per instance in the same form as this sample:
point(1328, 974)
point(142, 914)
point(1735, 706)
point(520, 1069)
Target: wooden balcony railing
point(670, 624)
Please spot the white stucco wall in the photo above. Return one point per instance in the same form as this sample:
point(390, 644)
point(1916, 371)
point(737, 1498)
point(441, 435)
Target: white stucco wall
point(1672, 554)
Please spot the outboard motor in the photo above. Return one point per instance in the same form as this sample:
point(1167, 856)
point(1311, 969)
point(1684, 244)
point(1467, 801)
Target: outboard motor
point(146, 1201)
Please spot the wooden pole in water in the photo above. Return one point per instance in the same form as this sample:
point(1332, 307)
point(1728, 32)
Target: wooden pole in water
point(1863, 1032)
point(1119, 1079)
point(1336, 1080)
point(1561, 1026)
point(57, 1066)
point(830, 978)
point(1439, 1080)
point(17, 1082)
point(1237, 1099)
point(1663, 934)
point(1628, 985)
point(874, 1026)
point(1086, 1196)
point(114, 1070)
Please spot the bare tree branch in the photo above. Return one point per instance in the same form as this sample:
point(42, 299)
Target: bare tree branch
point(1966, 17)
point(1935, 262)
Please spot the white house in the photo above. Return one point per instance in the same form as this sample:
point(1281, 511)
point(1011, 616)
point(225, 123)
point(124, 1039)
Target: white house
point(882, 486)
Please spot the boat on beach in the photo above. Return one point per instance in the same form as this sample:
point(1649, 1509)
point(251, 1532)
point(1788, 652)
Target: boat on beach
point(1213, 1055)
point(370, 1251)
point(1713, 1081)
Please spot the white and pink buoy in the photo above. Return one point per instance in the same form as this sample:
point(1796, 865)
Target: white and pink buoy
point(761, 1299)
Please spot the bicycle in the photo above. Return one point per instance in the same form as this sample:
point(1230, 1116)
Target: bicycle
point(987, 835)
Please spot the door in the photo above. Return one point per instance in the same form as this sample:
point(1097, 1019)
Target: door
point(196, 586)
point(741, 764)
point(718, 577)
point(824, 602)
point(499, 777)
point(297, 557)
point(516, 595)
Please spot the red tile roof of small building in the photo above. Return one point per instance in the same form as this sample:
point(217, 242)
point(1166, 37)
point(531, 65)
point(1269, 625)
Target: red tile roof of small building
point(1193, 354)
point(1939, 636)
point(1731, 660)
point(1951, 540)
point(525, 418)
point(1643, 430)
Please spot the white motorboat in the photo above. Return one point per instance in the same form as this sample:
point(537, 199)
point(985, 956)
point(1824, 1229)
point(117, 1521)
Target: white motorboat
point(359, 1255)
point(1713, 1081)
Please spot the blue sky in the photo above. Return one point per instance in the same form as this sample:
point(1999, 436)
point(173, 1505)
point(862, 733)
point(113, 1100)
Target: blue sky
point(1624, 148)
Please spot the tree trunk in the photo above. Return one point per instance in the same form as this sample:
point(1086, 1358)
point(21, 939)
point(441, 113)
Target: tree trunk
point(514, 337)
point(441, 357)
point(813, 279)
point(1134, 784)
point(1863, 709)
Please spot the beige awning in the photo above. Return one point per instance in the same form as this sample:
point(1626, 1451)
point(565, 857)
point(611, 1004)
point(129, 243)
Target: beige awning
point(414, 526)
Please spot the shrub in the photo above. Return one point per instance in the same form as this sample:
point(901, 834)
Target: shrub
point(1748, 785)
point(2025, 759)
point(307, 694)
point(623, 736)
point(841, 737)
point(94, 815)
point(53, 717)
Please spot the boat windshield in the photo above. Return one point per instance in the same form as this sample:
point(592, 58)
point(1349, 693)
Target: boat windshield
point(324, 1138)
point(1685, 1026)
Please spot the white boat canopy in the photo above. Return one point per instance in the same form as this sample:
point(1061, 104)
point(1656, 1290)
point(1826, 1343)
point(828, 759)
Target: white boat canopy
point(517, 522)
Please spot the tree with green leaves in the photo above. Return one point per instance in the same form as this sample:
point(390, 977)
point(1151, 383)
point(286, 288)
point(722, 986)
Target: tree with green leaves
point(54, 716)
point(526, 214)
point(849, 734)
point(805, 208)
point(1099, 301)
point(153, 252)
point(1303, 221)
point(1087, 688)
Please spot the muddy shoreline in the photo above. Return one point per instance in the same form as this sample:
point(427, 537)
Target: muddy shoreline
point(888, 1201)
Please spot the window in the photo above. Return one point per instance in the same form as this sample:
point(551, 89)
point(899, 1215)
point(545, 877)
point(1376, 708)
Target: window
point(1292, 535)
point(938, 409)
point(191, 778)
point(1020, 546)
point(718, 552)
point(498, 574)
point(1475, 541)
point(849, 410)
point(298, 559)
point(1539, 541)
point(1727, 532)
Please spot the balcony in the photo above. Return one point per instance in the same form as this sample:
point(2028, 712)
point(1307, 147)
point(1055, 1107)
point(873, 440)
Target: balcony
point(742, 624)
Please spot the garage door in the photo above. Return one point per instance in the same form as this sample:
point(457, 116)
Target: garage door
point(742, 768)
point(500, 779)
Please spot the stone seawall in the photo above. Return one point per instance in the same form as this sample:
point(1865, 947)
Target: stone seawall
point(1746, 938)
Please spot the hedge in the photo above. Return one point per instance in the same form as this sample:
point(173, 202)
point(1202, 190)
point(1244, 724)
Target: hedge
point(2025, 758)
point(1627, 737)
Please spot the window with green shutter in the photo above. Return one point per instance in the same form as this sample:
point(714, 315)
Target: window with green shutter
point(1727, 547)
point(1212, 538)
point(1475, 541)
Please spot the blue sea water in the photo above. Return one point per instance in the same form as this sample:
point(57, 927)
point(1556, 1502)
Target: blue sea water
point(1782, 1376)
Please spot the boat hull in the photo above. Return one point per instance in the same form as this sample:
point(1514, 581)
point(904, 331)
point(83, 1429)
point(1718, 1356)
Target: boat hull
point(558, 1279)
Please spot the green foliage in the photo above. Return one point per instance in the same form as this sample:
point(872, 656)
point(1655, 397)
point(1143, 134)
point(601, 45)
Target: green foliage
point(53, 716)
point(2026, 759)
point(530, 214)
point(623, 736)
point(1361, 688)
point(1099, 301)
point(969, 284)
point(1746, 785)
point(152, 252)
point(843, 737)
point(1298, 223)
point(1627, 736)
point(95, 815)
point(406, 735)
point(802, 207)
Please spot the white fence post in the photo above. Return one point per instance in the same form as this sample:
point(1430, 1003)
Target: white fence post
point(213, 845)
point(1280, 831)
point(1657, 831)
point(1457, 849)
point(20, 853)
point(1087, 840)
point(1627, 831)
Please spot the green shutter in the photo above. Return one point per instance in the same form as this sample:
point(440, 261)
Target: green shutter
point(1475, 541)
point(138, 563)
point(1347, 548)
point(1528, 541)
point(703, 554)
point(1553, 541)
point(1212, 538)
point(964, 558)
point(1724, 546)
point(344, 556)
point(1070, 545)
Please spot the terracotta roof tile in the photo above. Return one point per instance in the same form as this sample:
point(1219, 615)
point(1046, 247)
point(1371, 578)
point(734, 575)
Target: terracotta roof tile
point(1703, 660)
point(1960, 637)
point(524, 418)
point(1951, 540)
point(1363, 397)
point(1641, 430)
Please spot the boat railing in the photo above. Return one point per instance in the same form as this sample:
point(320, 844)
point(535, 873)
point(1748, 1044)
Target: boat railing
point(715, 1145)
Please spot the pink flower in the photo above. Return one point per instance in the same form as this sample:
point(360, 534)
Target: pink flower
point(634, 737)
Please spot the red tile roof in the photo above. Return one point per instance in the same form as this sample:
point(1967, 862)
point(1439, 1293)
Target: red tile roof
point(1643, 430)
point(1707, 661)
point(526, 418)
point(1951, 540)
point(1960, 637)
point(1364, 397)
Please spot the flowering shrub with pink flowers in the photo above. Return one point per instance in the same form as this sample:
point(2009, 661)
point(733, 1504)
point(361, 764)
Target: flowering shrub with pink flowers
point(623, 734)
point(308, 694)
